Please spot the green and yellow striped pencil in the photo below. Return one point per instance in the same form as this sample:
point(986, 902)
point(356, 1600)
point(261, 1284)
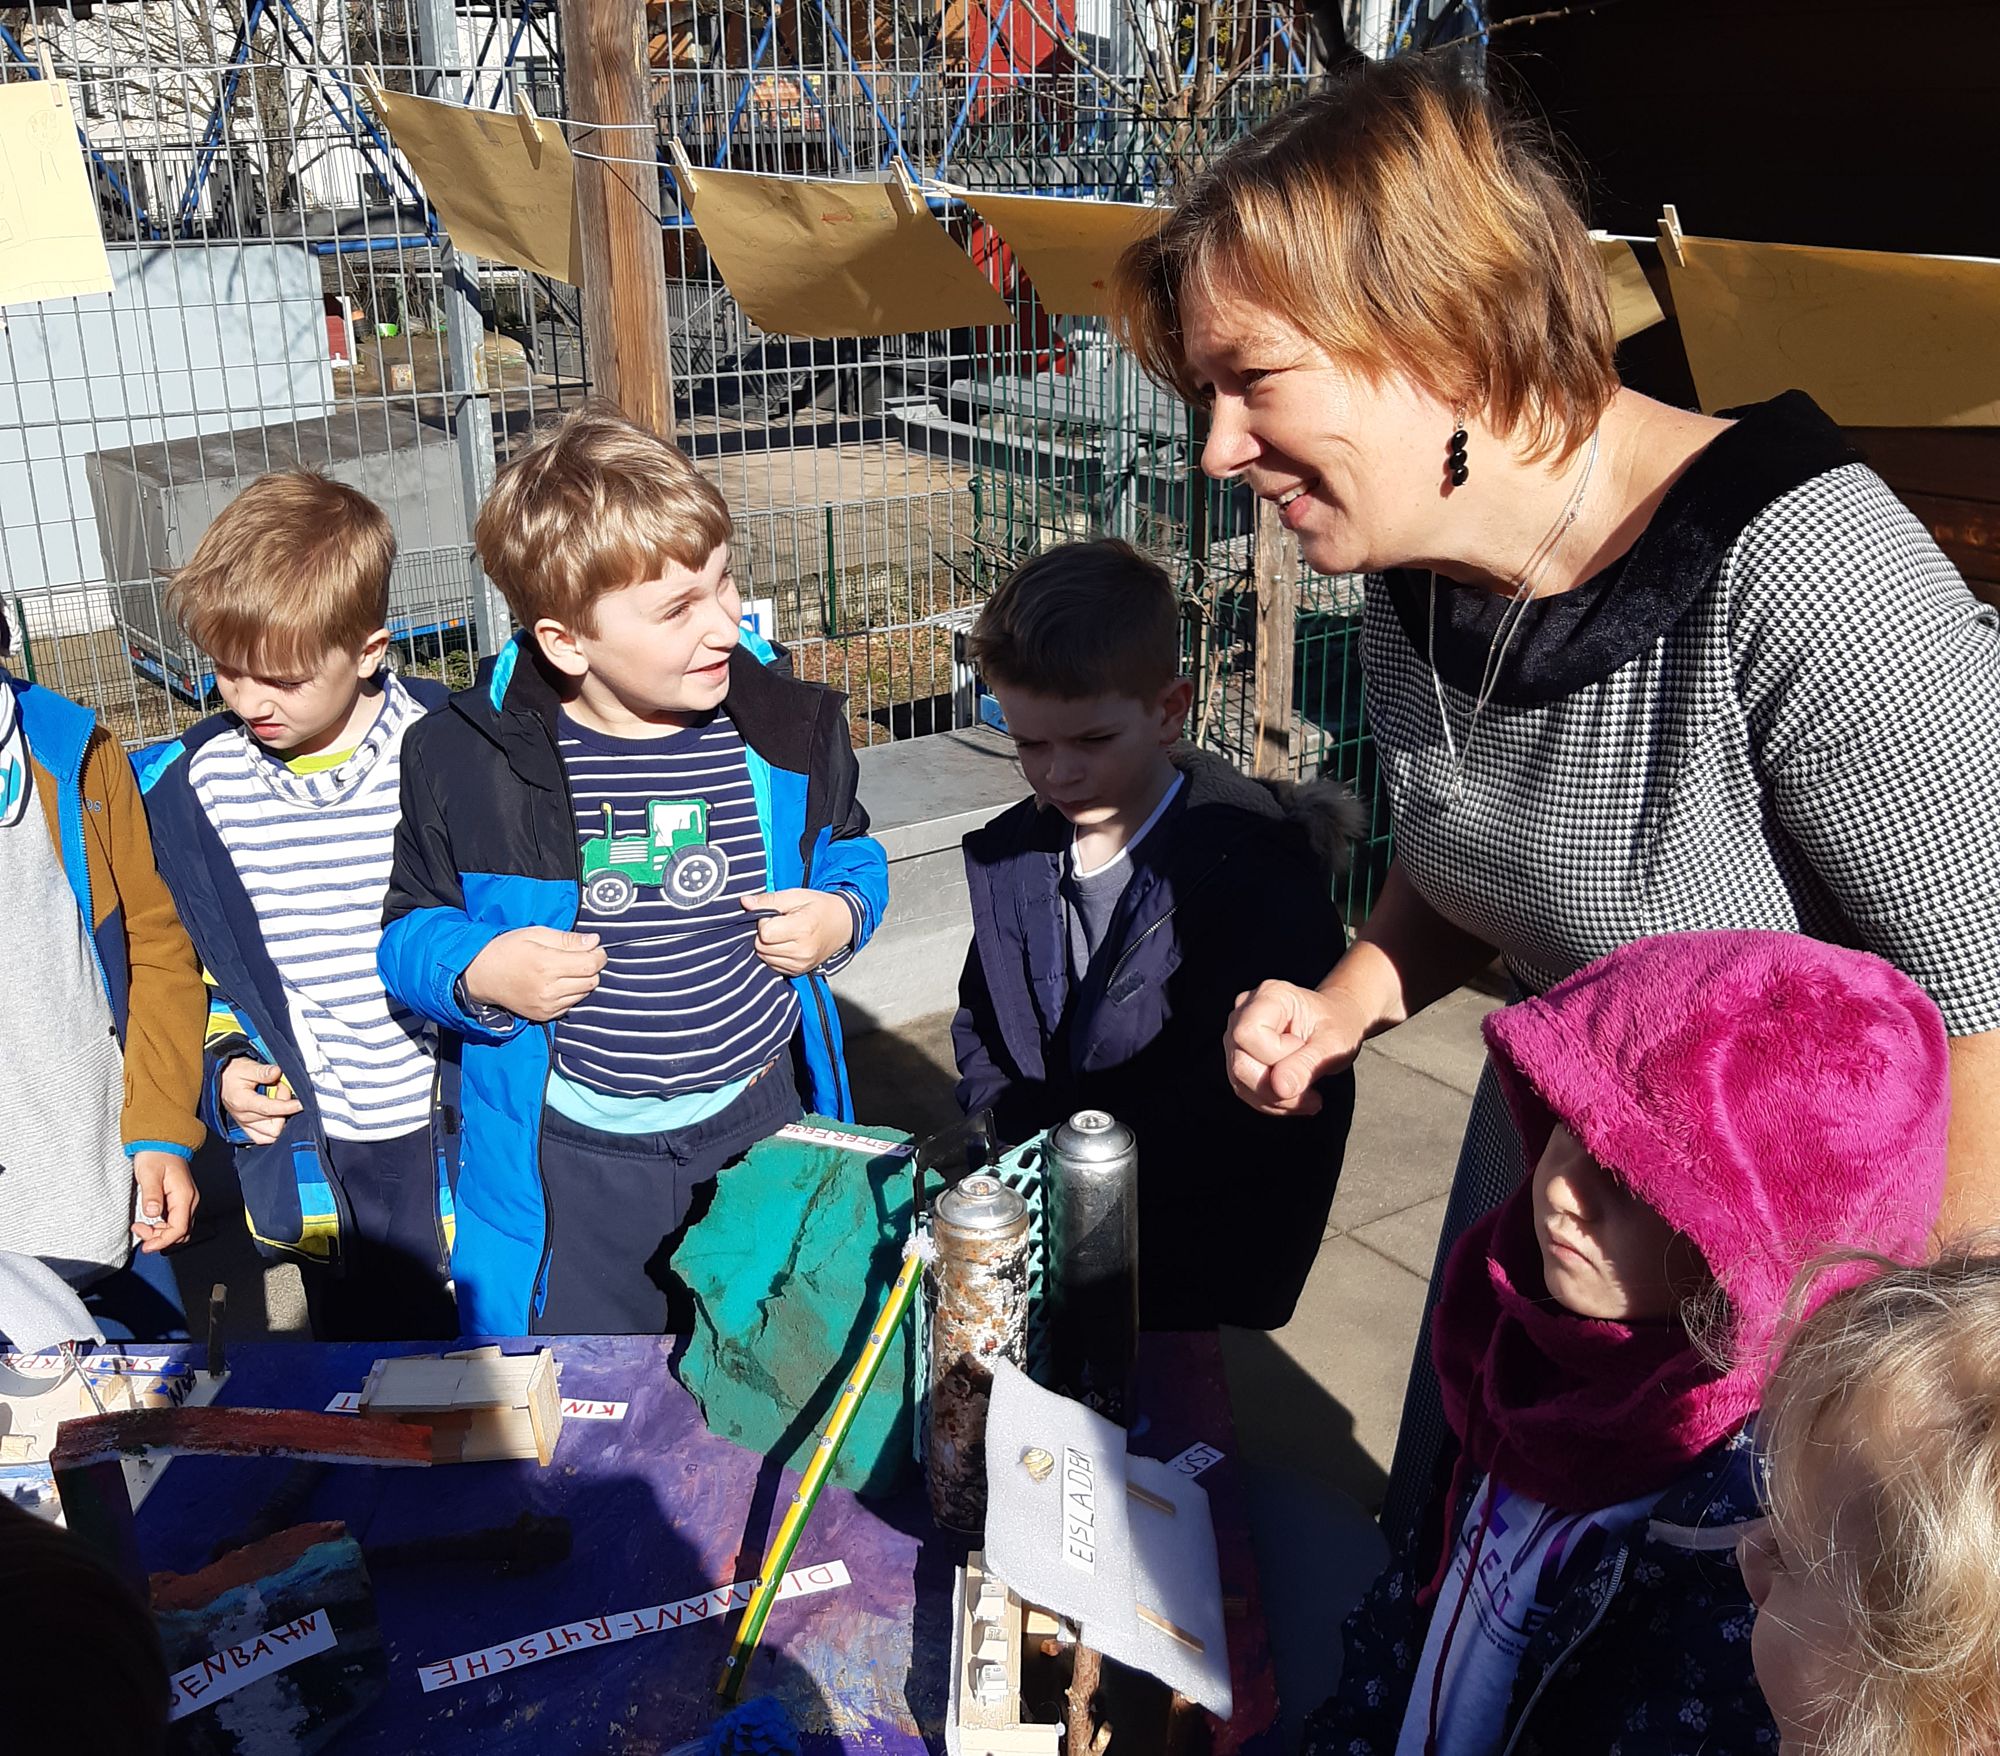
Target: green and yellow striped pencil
point(751, 1629)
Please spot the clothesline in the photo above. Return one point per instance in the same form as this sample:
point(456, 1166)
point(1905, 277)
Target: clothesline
point(926, 185)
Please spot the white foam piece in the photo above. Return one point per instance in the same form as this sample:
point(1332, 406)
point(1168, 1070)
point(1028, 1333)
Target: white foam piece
point(1078, 1544)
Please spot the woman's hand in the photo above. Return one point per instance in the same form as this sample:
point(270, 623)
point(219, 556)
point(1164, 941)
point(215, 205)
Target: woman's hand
point(1282, 1039)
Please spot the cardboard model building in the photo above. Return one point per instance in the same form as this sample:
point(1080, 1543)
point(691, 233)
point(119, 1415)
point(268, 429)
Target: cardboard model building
point(45, 1382)
point(480, 1405)
point(1120, 1545)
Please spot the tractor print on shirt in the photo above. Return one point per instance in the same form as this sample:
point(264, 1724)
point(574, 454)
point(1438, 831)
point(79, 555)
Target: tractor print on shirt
point(673, 852)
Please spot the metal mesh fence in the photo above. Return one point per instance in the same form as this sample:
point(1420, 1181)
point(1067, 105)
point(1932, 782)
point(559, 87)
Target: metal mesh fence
point(283, 296)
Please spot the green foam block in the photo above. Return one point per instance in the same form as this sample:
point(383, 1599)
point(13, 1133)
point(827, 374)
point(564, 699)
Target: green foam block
point(788, 1268)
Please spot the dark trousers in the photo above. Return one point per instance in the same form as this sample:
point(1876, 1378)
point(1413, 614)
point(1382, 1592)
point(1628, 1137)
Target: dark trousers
point(619, 1205)
point(390, 1281)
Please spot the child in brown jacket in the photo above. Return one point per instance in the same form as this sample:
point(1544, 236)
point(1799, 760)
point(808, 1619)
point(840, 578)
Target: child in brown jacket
point(100, 1019)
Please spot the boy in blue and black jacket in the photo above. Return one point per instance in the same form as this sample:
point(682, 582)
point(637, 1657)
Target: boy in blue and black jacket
point(629, 857)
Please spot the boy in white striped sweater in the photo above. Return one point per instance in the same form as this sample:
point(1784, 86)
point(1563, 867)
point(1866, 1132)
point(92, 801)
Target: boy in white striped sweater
point(278, 823)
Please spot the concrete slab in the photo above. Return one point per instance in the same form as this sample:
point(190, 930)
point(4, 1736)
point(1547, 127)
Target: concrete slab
point(923, 795)
point(1323, 1396)
point(267, 1300)
point(1317, 1552)
point(1443, 1040)
point(1403, 1146)
point(1409, 1238)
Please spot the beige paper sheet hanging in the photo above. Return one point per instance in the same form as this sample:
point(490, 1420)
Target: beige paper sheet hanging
point(813, 257)
point(1068, 246)
point(504, 184)
point(1877, 340)
point(51, 246)
point(1633, 304)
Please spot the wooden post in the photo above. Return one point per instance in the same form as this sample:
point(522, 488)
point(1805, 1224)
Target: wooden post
point(1277, 619)
point(618, 210)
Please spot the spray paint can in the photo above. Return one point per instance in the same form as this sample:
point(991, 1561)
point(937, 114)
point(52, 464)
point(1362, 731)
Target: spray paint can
point(1093, 1201)
point(979, 1314)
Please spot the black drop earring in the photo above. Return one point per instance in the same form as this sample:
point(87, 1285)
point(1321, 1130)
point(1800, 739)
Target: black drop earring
point(1454, 455)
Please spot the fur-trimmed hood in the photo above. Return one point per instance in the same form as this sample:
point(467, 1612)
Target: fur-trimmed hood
point(1324, 811)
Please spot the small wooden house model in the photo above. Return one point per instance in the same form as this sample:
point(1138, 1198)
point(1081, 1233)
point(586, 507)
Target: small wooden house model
point(481, 1405)
point(991, 1628)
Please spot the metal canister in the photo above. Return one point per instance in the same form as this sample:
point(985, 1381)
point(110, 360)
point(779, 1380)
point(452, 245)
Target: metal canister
point(979, 1314)
point(1093, 1273)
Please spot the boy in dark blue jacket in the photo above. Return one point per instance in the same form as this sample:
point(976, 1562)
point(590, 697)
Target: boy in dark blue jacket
point(629, 857)
point(1117, 916)
point(275, 824)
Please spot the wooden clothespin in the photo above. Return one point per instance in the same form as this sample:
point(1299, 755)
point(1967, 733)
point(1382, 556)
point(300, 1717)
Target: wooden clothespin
point(371, 88)
point(532, 135)
point(904, 189)
point(683, 171)
point(1671, 241)
point(45, 62)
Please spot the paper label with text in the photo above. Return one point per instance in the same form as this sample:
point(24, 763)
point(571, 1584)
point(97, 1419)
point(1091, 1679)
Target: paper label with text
point(851, 1142)
point(1195, 1459)
point(607, 1630)
point(1079, 1509)
point(54, 1365)
point(575, 1408)
point(237, 1667)
point(581, 1408)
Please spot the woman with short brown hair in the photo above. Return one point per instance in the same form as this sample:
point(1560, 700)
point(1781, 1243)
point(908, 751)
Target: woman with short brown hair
point(1630, 669)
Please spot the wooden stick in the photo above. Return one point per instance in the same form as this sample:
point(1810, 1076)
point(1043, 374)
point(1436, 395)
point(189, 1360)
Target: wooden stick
point(1187, 1727)
point(218, 1304)
point(1146, 1497)
point(1275, 637)
point(1083, 1681)
point(1154, 1619)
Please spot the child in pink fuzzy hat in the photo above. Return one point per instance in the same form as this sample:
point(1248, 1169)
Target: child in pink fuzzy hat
point(1707, 1113)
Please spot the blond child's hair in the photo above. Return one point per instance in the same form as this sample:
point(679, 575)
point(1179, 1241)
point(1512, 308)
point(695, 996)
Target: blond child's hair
point(1900, 1375)
point(1081, 619)
point(1408, 222)
point(597, 505)
point(295, 568)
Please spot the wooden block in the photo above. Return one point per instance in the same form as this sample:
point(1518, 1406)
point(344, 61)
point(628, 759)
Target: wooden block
point(231, 1432)
point(481, 1406)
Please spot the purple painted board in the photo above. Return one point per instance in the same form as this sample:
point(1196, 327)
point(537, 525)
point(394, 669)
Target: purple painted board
point(661, 1511)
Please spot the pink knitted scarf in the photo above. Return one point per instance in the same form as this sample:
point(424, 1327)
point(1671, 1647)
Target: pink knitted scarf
point(1575, 1411)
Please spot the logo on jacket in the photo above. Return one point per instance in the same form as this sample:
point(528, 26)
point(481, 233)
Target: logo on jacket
point(673, 852)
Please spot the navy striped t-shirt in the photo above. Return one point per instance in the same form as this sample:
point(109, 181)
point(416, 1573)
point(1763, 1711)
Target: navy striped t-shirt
point(669, 840)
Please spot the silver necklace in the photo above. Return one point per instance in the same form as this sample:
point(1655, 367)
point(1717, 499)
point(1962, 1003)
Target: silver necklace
point(1511, 619)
